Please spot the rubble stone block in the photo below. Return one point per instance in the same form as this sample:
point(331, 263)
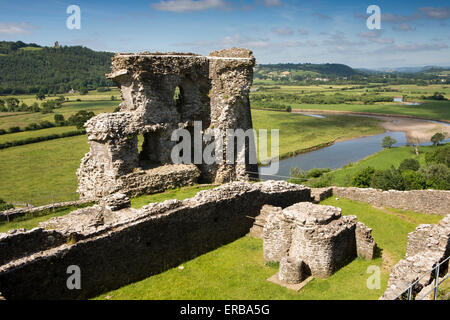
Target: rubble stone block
point(365, 244)
point(291, 270)
point(277, 236)
point(257, 231)
point(116, 201)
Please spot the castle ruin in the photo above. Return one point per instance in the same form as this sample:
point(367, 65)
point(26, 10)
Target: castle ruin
point(161, 93)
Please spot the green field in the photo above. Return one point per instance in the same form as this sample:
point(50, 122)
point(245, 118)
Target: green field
point(11, 137)
point(381, 160)
point(438, 110)
point(433, 110)
point(237, 270)
point(38, 170)
point(23, 119)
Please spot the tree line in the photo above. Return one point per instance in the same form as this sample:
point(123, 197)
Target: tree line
point(51, 70)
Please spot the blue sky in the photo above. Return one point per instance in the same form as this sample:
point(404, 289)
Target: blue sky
point(413, 33)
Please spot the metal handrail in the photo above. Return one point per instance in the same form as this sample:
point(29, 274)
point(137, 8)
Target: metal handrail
point(436, 280)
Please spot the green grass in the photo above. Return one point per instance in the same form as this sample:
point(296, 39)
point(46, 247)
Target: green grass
point(433, 110)
point(68, 108)
point(299, 132)
point(237, 270)
point(32, 221)
point(38, 170)
point(11, 137)
point(390, 226)
point(179, 194)
point(380, 160)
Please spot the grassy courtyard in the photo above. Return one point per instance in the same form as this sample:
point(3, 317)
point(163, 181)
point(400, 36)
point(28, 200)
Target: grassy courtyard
point(237, 270)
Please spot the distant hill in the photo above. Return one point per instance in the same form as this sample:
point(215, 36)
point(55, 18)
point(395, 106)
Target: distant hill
point(426, 69)
point(30, 68)
point(304, 71)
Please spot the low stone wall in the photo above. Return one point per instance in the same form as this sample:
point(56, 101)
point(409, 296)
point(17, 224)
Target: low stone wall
point(320, 194)
point(19, 212)
point(425, 201)
point(116, 248)
point(19, 243)
point(427, 246)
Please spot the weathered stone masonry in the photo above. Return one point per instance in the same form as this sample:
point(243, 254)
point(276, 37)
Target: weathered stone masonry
point(115, 248)
point(314, 238)
point(425, 201)
point(427, 245)
point(161, 93)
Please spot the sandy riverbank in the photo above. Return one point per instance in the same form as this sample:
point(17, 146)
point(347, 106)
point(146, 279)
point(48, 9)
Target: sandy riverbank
point(414, 128)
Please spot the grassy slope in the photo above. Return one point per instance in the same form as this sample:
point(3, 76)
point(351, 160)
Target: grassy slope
point(381, 160)
point(237, 270)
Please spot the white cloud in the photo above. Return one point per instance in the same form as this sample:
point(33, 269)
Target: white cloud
point(273, 3)
point(436, 13)
point(420, 47)
point(303, 32)
point(371, 34)
point(375, 36)
point(283, 31)
point(391, 17)
point(383, 40)
point(403, 27)
point(190, 5)
point(15, 28)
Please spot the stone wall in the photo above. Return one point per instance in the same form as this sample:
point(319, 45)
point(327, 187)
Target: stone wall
point(161, 93)
point(116, 248)
point(19, 212)
point(317, 235)
point(427, 246)
point(425, 201)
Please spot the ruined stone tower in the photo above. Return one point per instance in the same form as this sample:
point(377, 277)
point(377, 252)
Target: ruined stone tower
point(161, 93)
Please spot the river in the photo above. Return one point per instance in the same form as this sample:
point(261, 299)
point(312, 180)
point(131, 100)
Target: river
point(336, 155)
